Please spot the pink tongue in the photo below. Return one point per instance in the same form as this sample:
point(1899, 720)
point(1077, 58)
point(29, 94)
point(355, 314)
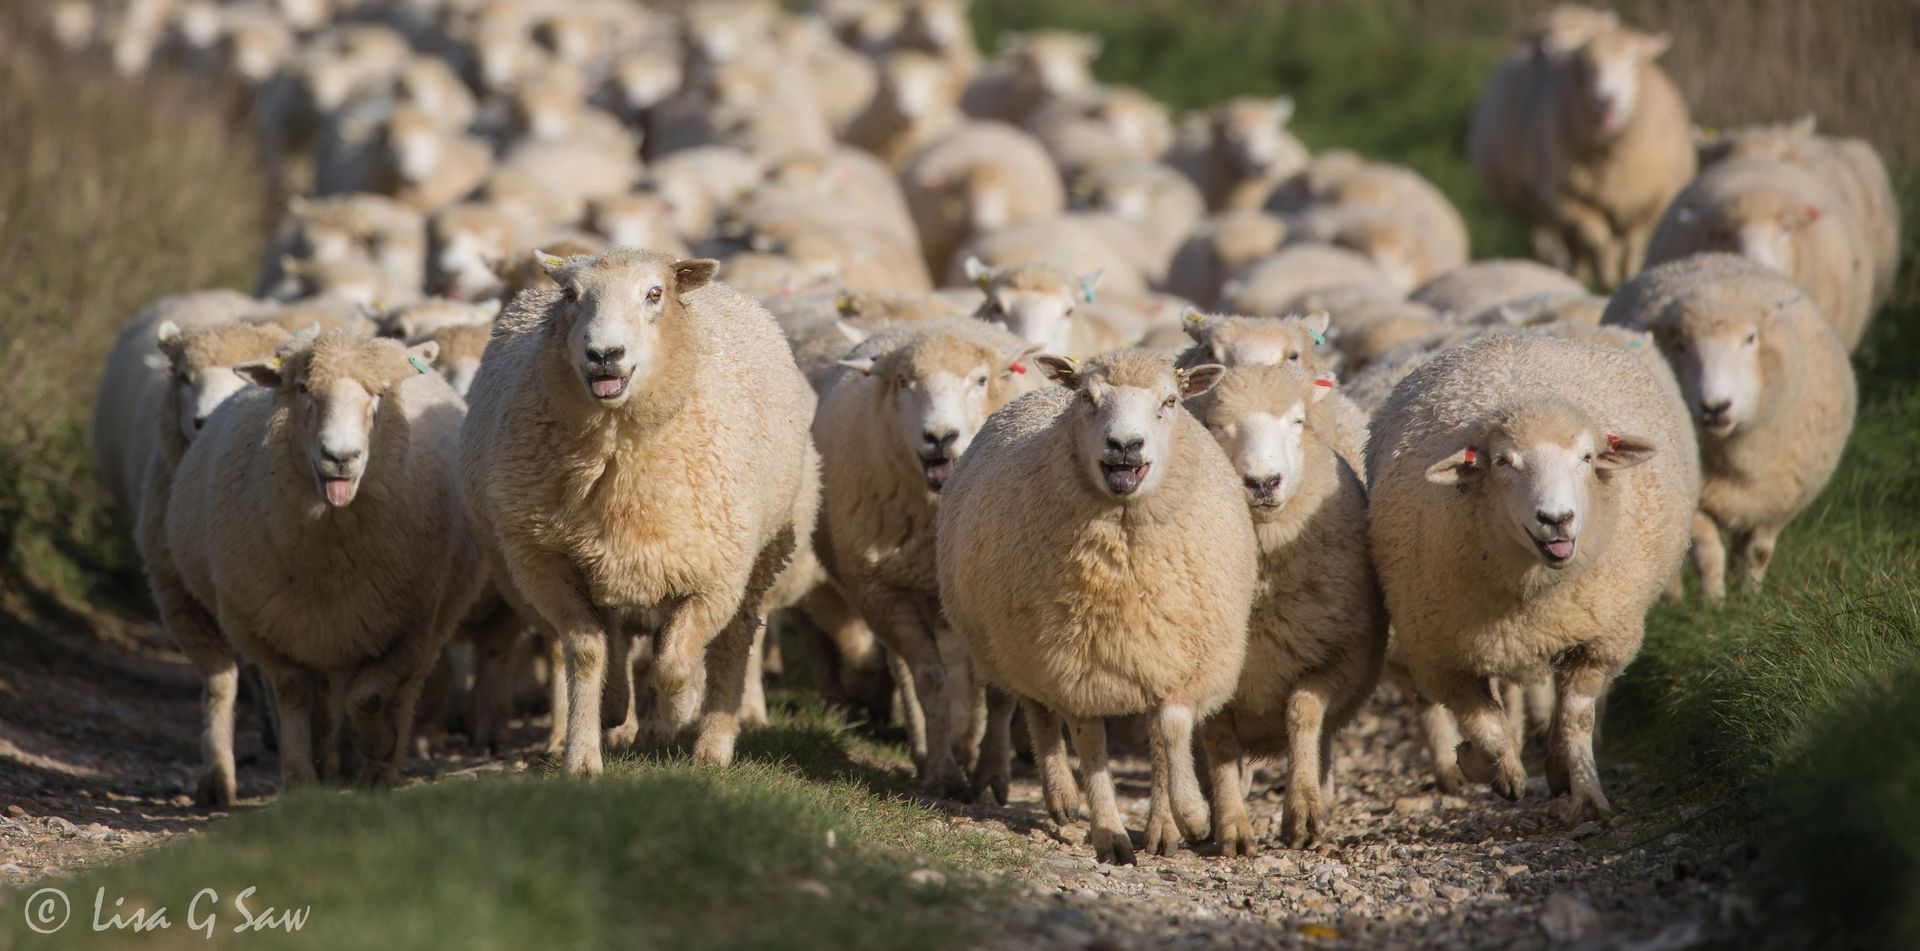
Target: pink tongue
point(339, 492)
point(1562, 550)
point(610, 386)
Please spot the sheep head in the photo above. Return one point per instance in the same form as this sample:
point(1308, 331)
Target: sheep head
point(201, 361)
point(1264, 418)
point(1125, 423)
point(612, 309)
point(1761, 223)
point(1607, 72)
point(1036, 302)
point(1252, 133)
point(1055, 63)
point(1728, 360)
point(468, 245)
point(330, 389)
point(1236, 341)
point(1537, 465)
point(940, 391)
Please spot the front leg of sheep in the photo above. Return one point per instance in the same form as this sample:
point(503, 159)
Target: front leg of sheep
point(198, 636)
point(1176, 806)
point(297, 691)
point(1050, 755)
point(728, 666)
point(1489, 754)
point(619, 721)
point(680, 660)
point(1107, 834)
point(992, 767)
point(1755, 548)
point(380, 702)
point(1570, 760)
point(1304, 813)
point(1709, 558)
point(1232, 829)
point(910, 634)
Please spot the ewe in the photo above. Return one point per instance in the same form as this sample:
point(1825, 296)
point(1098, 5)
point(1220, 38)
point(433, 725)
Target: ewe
point(1094, 551)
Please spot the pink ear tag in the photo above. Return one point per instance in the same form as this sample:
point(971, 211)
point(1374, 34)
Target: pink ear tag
point(1613, 444)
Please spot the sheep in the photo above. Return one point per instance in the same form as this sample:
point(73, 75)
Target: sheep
point(367, 228)
point(1388, 212)
point(573, 171)
point(940, 27)
point(467, 247)
point(1162, 203)
point(1783, 216)
point(1364, 331)
point(616, 401)
point(918, 101)
point(133, 381)
point(416, 323)
point(1529, 501)
point(1244, 153)
point(343, 456)
point(1102, 127)
point(904, 410)
point(1269, 284)
point(199, 364)
point(1769, 389)
point(1219, 247)
point(981, 177)
point(1234, 341)
point(1034, 69)
point(1318, 629)
point(1094, 552)
point(636, 220)
point(1611, 150)
point(1121, 249)
point(1851, 165)
point(1039, 302)
point(1465, 293)
point(425, 166)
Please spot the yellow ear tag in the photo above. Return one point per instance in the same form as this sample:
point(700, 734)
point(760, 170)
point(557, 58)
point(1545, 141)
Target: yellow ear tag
point(984, 280)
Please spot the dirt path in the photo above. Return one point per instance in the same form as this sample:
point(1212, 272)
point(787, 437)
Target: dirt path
point(97, 727)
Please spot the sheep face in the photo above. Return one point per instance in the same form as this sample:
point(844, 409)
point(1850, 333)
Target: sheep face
point(941, 391)
point(939, 24)
point(647, 79)
point(1259, 416)
point(414, 146)
point(1760, 225)
point(468, 247)
point(354, 279)
point(330, 393)
point(1721, 361)
point(461, 348)
point(201, 363)
point(1125, 421)
point(1536, 467)
point(1053, 63)
point(1607, 75)
point(1252, 133)
point(642, 220)
point(612, 308)
point(1259, 341)
point(915, 84)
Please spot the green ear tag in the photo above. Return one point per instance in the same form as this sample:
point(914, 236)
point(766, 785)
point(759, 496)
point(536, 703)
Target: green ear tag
point(419, 364)
point(1086, 291)
point(1319, 339)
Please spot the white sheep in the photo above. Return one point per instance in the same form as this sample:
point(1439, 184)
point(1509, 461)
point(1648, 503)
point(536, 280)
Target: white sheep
point(1318, 628)
point(1094, 551)
point(1043, 304)
point(638, 445)
point(1529, 501)
point(1466, 293)
point(1241, 152)
point(1769, 389)
point(318, 521)
point(979, 178)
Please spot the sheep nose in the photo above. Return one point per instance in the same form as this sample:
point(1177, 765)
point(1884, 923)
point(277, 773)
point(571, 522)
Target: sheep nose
point(1559, 520)
point(605, 355)
point(339, 457)
point(198, 422)
point(1263, 488)
point(1128, 444)
point(940, 440)
point(1715, 409)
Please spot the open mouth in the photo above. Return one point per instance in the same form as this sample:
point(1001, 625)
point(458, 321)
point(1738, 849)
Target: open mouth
point(339, 491)
point(1556, 552)
point(937, 471)
point(1717, 427)
point(1123, 478)
point(606, 386)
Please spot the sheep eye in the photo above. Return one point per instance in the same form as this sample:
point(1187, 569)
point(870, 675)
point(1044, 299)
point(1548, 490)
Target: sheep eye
point(980, 380)
point(1502, 461)
point(1587, 459)
point(1752, 339)
point(300, 388)
point(653, 295)
point(1293, 357)
point(902, 381)
point(1168, 402)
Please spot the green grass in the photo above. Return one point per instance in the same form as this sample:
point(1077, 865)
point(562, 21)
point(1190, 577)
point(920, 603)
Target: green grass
point(802, 844)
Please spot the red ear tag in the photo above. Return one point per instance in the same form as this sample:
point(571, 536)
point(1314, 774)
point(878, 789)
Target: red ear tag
point(1470, 456)
point(1613, 444)
point(1019, 368)
point(1323, 381)
point(1813, 212)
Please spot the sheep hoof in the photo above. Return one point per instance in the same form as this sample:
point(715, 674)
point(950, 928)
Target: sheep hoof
point(624, 735)
point(1163, 834)
point(1449, 780)
point(215, 791)
point(1302, 823)
point(991, 779)
point(1474, 765)
point(1510, 784)
point(1192, 822)
point(1111, 845)
point(1063, 805)
point(1587, 805)
point(1235, 836)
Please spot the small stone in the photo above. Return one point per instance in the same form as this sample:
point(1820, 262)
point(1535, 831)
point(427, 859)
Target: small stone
point(95, 831)
point(1087, 894)
point(927, 878)
point(1419, 888)
point(16, 812)
point(1103, 868)
point(60, 826)
point(1586, 830)
point(1676, 937)
point(1453, 893)
point(1512, 870)
point(1567, 919)
point(1673, 838)
point(1412, 805)
point(817, 889)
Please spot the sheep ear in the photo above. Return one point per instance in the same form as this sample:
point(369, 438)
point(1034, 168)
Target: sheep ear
point(853, 334)
point(425, 353)
point(694, 273)
point(977, 271)
point(1623, 452)
point(1017, 363)
point(1702, 137)
point(489, 309)
point(1317, 325)
point(1061, 370)
point(1804, 127)
point(1195, 324)
point(1093, 46)
point(167, 333)
point(863, 364)
point(1197, 380)
point(1656, 46)
point(1283, 109)
point(1457, 468)
point(550, 263)
point(261, 372)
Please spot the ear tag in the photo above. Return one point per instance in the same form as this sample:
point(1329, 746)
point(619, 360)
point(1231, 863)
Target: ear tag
point(1319, 339)
point(1635, 343)
point(1613, 444)
point(274, 363)
point(1813, 213)
point(843, 303)
point(983, 280)
point(302, 332)
point(1019, 368)
point(418, 364)
point(1086, 291)
point(1470, 456)
point(1323, 381)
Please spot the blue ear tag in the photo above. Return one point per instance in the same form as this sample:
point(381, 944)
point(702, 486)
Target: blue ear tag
point(1635, 343)
point(419, 364)
point(1319, 339)
point(1086, 291)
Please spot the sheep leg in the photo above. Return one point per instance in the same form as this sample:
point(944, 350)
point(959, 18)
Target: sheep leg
point(379, 701)
point(966, 704)
point(1580, 687)
point(753, 701)
point(913, 639)
point(680, 660)
point(1541, 702)
point(1513, 702)
point(1172, 731)
point(1437, 730)
point(993, 766)
point(617, 717)
point(557, 687)
point(729, 661)
point(297, 692)
point(909, 709)
point(490, 703)
point(198, 636)
point(1709, 558)
point(1489, 753)
point(1550, 246)
point(1755, 549)
point(1232, 829)
point(1050, 754)
point(1304, 813)
point(1107, 833)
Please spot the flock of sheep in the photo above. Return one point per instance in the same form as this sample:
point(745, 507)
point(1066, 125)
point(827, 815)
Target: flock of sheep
point(997, 386)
